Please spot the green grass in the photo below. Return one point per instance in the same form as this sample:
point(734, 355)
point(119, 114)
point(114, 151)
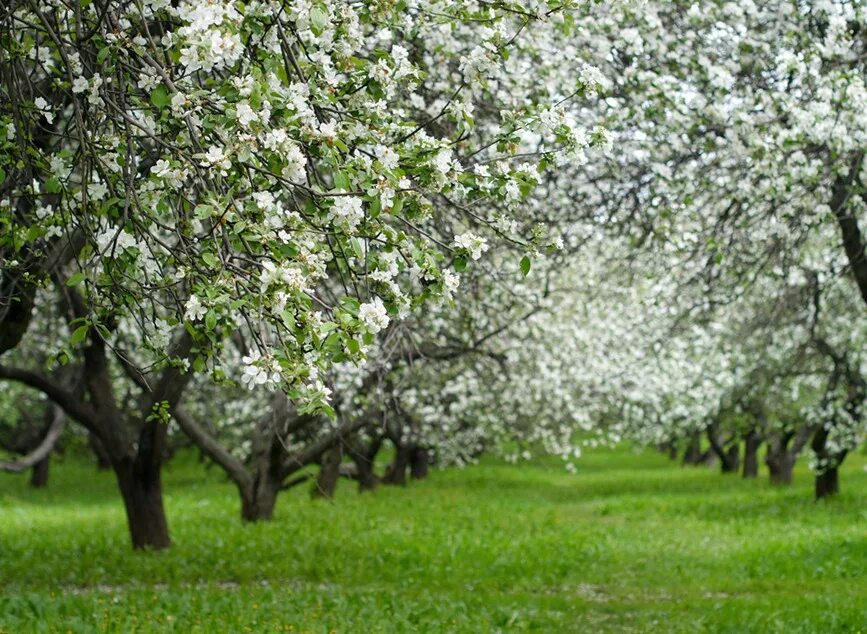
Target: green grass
point(632, 543)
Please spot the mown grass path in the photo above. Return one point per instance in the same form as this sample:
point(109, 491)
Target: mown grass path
point(632, 543)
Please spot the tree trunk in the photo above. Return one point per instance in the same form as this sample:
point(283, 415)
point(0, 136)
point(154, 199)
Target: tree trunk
point(367, 479)
point(853, 240)
point(259, 500)
point(693, 455)
point(730, 460)
point(752, 443)
point(103, 460)
point(364, 457)
point(396, 472)
point(329, 473)
point(828, 479)
point(39, 473)
point(780, 467)
point(783, 451)
point(142, 492)
point(419, 463)
point(827, 483)
point(668, 448)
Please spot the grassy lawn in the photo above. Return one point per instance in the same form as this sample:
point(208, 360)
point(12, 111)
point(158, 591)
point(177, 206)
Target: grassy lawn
point(632, 543)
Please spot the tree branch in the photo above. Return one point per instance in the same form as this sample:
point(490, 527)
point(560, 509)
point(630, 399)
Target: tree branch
point(233, 467)
point(311, 453)
point(77, 409)
point(43, 450)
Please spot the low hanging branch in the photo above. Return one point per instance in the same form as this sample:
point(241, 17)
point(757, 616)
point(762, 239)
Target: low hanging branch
point(36, 456)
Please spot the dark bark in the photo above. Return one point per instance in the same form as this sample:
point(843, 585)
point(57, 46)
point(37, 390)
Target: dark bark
point(850, 232)
point(329, 473)
point(259, 499)
point(783, 451)
point(752, 443)
point(260, 481)
point(136, 456)
point(396, 472)
point(827, 475)
point(710, 458)
point(827, 483)
point(141, 489)
point(693, 455)
point(41, 452)
point(419, 463)
point(39, 473)
point(269, 469)
point(248, 485)
point(103, 460)
point(732, 460)
point(138, 468)
point(17, 291)
point(367, 479)
point(780, 467)
point(729, 456)
point(364, 458)
point(668, 448)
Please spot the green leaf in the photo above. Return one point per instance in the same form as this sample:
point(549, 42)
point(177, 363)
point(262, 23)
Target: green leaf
point(75, 280)
point(160, 97)
point(103, 54)
point(525, 265)
point(34, 232)
point(210, 259)
point(333, 342)
point(78, 335)
point(358, 248)
point(341, 181)
point(318, 20)
point(211, 320)
point(397, 206)
point(460, 263)
point(350, 305)
point(328, 411)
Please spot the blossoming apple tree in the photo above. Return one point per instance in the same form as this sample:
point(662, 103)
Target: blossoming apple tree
point(296, 175)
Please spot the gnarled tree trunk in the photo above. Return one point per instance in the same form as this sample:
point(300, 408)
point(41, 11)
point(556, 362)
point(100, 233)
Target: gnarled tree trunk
point(39, 473)
point(781, 456)
point(752, 443)
point(419, 463)
point(827, 483)
point(780, 467)
point(103, 460)
point(732, 460)
point(364, 458)
point(329, 473)
point(729, 456)
point(142, 492)
point(827, 475)
point(258, 499)
point(396, 472)
point(367, 479)
point(693, 455)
